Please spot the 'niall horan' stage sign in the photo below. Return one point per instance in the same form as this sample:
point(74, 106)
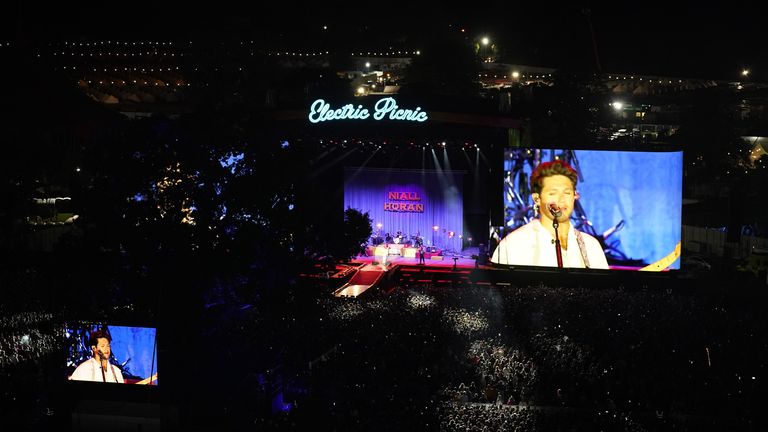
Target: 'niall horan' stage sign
point(385, 108)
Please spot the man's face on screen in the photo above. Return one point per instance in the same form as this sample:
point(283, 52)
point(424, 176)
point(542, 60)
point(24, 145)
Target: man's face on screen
point(559, 190)
point(104, 346)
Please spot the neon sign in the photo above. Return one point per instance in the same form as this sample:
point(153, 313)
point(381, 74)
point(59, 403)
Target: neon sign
point(404, 207)
point(409, 207)
point(321, 111)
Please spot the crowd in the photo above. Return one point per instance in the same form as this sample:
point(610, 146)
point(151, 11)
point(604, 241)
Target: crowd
point(639, 356)
point(28, 336)
point(475, 417)
point(479, 358)
point(500, 374)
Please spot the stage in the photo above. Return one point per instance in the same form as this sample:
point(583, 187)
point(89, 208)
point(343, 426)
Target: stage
point(446, 260)
point(439, 269)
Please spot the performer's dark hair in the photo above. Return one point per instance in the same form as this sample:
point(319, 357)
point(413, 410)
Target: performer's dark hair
point(548, 169)
point(93, 340)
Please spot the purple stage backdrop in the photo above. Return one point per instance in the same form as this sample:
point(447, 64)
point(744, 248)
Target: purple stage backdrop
point(410, 201)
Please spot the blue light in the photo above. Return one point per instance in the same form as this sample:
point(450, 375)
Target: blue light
point(278, 406)
point(139, 197)
point(231, 160)
point(284, 144)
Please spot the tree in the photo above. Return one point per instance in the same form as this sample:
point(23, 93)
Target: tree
point(357, 230)
point(328, 242)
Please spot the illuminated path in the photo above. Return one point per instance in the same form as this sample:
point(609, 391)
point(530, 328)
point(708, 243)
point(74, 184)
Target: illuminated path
point(365, 278)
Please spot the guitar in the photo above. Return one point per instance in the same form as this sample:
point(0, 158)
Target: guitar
point(665, 262)
point(146, 381)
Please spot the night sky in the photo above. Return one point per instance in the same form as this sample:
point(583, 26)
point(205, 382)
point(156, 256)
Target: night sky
point(693, 40)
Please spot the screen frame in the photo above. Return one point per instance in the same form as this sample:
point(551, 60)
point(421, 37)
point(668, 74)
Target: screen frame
point(497, 233)
point(84, 324)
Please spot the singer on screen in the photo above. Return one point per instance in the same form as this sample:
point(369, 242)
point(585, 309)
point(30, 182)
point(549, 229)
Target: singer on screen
point(98, 368)
point(553, 189)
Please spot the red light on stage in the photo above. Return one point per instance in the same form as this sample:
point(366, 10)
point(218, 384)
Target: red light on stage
point(450, 234)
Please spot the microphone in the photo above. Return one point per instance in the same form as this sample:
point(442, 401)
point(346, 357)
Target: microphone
point(556, 213)
point(102, 356)
point(555, 210)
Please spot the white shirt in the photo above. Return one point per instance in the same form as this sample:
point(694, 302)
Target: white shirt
point(90, 370)
point(533, 245)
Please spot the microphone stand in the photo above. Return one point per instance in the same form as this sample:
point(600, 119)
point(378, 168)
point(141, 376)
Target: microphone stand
point(101, 366)
point(559, 253)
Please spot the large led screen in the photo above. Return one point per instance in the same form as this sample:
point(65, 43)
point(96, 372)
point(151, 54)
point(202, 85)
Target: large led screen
point(619, 210)
point(102, 353)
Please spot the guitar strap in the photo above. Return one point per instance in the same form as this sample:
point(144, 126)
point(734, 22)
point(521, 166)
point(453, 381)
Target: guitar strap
point(582, 248)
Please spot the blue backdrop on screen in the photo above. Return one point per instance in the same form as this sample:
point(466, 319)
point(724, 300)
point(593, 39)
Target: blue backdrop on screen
point(135, 344)
point(439, 193)
point(644, 189)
